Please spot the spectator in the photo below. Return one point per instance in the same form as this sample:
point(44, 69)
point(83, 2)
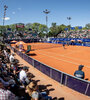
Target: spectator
point(11, 58)
point(5, 53)
point(32, 90)
point(6, 94)
point(79, 73)
point(23, 76)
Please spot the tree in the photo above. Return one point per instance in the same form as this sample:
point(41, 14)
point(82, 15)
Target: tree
point(56, 29)
point(13, 27)
point(76, 28)
point(62, 27)
point(53, 29)
point(1, 31)
point(42, 28)
point(35, 27)
point(28, 26)
point(87, 26)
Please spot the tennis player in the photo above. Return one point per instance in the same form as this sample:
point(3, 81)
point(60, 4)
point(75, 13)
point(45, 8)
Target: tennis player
point(63, 45)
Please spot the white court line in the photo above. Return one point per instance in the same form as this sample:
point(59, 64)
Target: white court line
point(61, 59)
point(71, 51)
point(65, 56)
point(58, 58)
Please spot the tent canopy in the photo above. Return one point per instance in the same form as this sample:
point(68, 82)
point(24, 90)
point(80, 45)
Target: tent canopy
point(13, 41)
point(20, 42)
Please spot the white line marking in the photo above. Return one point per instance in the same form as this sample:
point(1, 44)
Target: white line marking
point(58, 58)
point(61, 59)
point(65, 56)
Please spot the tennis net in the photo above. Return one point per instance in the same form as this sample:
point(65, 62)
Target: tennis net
point(37, 46)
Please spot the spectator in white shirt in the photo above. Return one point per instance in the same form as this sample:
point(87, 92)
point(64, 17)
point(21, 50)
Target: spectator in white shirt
point(11, 58)
point(23, 76)
point(5, 53)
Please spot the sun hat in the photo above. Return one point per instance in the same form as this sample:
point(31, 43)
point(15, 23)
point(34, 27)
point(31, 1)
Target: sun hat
point(31, 85)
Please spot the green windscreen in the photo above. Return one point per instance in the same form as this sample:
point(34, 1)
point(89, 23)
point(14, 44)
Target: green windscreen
point(28, 47)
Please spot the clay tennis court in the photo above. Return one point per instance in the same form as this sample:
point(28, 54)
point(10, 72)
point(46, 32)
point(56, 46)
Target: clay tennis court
point(64, 59)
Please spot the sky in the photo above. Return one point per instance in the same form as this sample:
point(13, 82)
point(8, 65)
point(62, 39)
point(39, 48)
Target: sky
point(31, 11)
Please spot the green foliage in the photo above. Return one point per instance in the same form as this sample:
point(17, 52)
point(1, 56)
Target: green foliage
point(76, 28)
point(41, 34)
point(40, 29)
point(55, 29)
point(84, 28)
point(13, 26)
point(87, 26)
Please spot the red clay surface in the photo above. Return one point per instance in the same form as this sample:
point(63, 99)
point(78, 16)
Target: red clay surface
point(65, 60)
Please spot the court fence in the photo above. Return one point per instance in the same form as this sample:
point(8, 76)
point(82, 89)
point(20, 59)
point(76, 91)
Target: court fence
point(82, 86)
point(71, 41)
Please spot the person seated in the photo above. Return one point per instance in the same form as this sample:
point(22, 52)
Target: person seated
point(21, 48)
point(33, 91)
point(79, 73)
point(11, 58)
point(6, 94)
point(27, 51)
point(5, 79)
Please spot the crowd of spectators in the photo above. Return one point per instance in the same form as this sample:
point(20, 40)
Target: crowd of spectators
point(24, 35)
point(16, 82)
point(65, 34)
point(75, 34)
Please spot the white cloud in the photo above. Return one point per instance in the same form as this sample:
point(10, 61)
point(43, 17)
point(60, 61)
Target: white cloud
point(6, 18)
point(19, 8)
point(13, 12)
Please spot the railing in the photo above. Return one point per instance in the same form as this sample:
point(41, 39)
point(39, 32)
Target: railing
point(70, 81)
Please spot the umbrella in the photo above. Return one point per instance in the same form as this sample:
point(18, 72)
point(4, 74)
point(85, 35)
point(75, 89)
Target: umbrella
point(20, 42)
point(13, 42)
point(72, 40)
point(79, 40)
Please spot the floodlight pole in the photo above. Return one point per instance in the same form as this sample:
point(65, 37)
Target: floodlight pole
point(69, 18)
point(46, 11)
point(5, 8)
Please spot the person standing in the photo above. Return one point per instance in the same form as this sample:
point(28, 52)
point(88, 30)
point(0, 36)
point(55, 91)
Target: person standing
point(63, 45)
point(23, 76)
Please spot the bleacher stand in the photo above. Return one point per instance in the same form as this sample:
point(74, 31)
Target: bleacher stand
point(12, 85)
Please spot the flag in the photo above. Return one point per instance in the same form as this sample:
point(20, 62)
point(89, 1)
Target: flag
point(79, 27)
point(72, 28)
point(66, 29)
point(9, 29)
